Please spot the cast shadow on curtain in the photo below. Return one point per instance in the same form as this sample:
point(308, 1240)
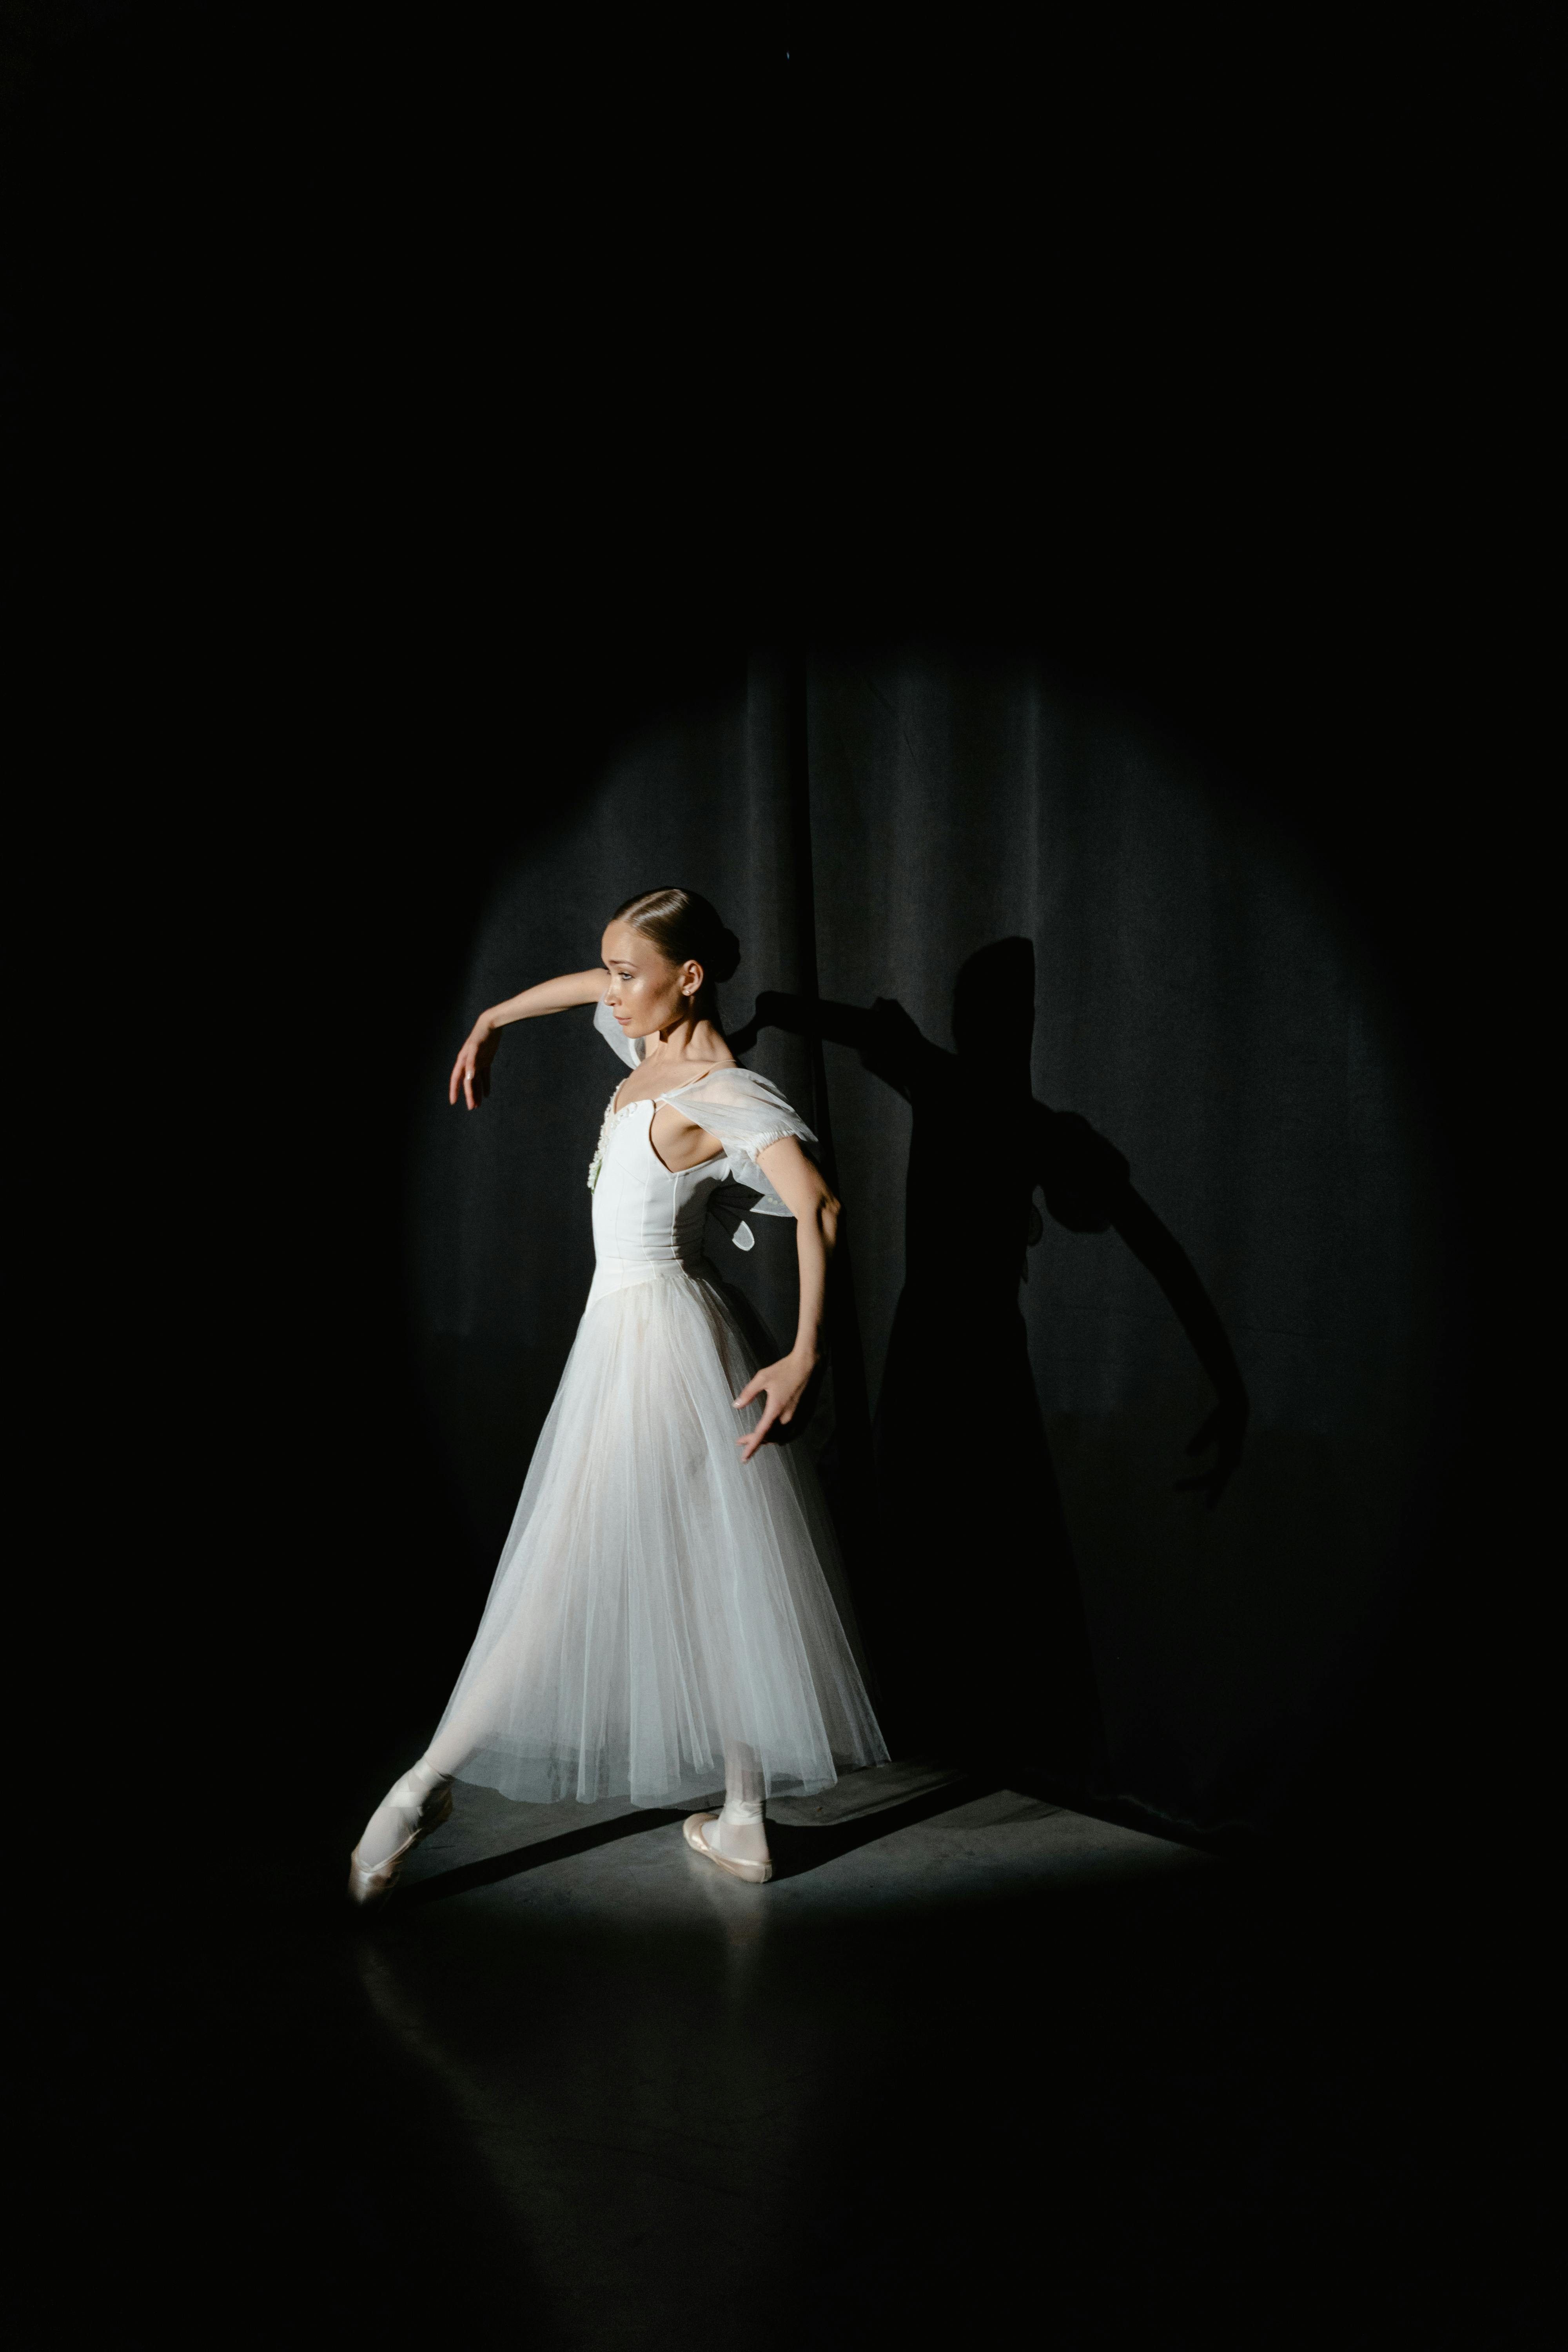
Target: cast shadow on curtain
point(963, 1569)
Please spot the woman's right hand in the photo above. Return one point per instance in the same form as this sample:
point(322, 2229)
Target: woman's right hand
point(471, 1070)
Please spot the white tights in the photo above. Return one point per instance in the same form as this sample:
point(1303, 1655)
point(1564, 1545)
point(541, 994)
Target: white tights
point(739, 1831)
point(396, 1817)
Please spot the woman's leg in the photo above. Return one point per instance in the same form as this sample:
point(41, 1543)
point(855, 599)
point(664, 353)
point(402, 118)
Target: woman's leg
point(461, 1730)
point(400, 1812)
point(739, 1831)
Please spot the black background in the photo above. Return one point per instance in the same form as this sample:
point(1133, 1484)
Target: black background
point(408, 409)
point(408, 416)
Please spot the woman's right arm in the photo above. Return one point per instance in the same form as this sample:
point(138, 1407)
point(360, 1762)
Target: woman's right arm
point(471, 1070)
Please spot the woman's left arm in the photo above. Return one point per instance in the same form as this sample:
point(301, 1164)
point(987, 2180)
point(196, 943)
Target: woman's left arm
point(801, 1187)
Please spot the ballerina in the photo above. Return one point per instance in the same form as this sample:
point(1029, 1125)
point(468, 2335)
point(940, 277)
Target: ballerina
point(669, 1610)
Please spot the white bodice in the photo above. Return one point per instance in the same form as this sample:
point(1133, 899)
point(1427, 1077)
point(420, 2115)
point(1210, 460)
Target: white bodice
point(646, 1214)
point(648, 1217)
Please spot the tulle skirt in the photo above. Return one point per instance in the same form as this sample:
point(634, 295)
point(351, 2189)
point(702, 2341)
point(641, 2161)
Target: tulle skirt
point(659, 1600)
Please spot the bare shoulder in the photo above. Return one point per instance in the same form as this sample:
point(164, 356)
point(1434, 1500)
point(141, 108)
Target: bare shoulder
point(686, 1075)
point(652, 1081)
point(723, 1061)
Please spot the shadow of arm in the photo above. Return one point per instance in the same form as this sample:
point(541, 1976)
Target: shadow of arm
point(1157, 1248)
point(804, 1016)
point(888, 1042)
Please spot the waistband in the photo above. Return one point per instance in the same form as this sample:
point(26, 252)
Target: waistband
point(625, 1274)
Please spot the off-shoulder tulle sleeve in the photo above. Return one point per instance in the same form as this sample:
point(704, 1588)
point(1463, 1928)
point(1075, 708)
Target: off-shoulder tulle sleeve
point(747, 1113)
point(629, 1049)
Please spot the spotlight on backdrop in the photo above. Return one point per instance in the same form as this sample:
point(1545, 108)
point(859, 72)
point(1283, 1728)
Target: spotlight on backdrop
point(1211, 1159)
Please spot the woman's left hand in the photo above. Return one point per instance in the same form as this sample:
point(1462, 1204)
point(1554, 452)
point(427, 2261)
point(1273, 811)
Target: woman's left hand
point(781, 1387)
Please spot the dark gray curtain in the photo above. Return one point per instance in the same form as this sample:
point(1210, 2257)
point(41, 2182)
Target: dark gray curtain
point(367, 703)
point(410, 412)
point(1011, 1397)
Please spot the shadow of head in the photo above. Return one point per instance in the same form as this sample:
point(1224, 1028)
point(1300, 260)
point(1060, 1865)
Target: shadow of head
point(993, 1010)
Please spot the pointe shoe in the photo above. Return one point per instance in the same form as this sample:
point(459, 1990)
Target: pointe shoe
point(369, 1886)
point(755, 1874)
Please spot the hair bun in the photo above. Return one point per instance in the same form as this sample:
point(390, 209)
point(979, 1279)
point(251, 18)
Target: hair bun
point(681, 924)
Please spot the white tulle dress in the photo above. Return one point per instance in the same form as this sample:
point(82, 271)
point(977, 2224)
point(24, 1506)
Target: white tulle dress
point(661, 1605)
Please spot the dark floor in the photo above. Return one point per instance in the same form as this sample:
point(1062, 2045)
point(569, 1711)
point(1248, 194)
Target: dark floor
point(973, 2067)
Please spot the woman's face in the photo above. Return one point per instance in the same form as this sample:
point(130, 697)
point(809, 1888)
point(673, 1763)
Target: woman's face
point(647, 991)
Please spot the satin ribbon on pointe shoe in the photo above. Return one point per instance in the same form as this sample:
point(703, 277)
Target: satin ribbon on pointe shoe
point(755, 1874)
